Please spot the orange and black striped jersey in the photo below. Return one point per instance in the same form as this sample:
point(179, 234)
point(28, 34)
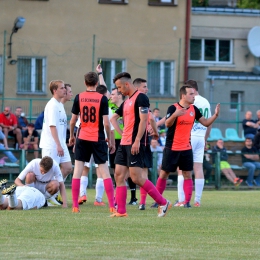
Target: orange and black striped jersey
point(91, 106)
point(178, 135)
point(129, 110)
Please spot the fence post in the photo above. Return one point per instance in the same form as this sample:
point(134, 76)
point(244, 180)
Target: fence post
point(22, 160)
point(217, 171)
point(154, 169)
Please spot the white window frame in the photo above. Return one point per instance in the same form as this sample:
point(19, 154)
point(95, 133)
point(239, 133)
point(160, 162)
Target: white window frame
point(161, 80)
point(239, 101)
point(217, 52)
point(33, 73)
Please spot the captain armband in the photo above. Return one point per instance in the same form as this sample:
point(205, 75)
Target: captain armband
point(144, 110)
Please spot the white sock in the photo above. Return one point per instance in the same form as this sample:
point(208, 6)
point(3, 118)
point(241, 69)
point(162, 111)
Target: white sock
point(47, 195)
point(199, 185)
point(83, 185)
point(12, 200)
point(181, 195)
point(30, 184)
point(99, 189)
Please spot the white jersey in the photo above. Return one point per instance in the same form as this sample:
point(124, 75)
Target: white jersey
point(34, 166)
point(203, 105)
point(30, 197)
point(54, 115)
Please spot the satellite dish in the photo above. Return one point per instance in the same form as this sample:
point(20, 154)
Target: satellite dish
point(253, 41)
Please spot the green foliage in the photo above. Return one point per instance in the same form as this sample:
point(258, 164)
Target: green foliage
point(200, 3)
point(248, 4)
point(226, 226)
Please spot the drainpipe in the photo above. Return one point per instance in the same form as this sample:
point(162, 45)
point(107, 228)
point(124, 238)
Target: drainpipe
point(187, 39)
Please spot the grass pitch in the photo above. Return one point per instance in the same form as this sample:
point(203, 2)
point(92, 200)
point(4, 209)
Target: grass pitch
point(226, 226)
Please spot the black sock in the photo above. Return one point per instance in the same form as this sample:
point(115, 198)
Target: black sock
point(132, 187)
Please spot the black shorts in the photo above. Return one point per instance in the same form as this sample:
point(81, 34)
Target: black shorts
point(148, 157)
point(173, 159)
point(84, 149)
point(125, 158)
point(112, 156)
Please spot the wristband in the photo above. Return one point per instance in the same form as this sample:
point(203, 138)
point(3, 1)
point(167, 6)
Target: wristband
point(99, 73)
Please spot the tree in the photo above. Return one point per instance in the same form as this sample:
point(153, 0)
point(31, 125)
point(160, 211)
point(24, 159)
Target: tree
point(248, 4)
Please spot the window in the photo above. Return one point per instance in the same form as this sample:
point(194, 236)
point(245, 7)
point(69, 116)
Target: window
point(161, 78)
point(110, 69)
point(113, 1)
point(163, 2)
point(211, 51)
point(31, 75)
point(236, 98)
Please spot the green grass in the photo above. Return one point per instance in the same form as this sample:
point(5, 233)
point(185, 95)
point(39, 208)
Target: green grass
point(226, 226)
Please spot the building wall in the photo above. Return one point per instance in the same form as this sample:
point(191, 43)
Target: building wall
point(62, 31)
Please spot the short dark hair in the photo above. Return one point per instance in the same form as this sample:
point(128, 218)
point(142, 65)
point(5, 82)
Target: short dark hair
point(46, 163)
point(118, 93)
point(67, 85)
point(192, 83)
point(156, 109)
point(138, 81)
point(183, 90)
point(91, 78)
point(102, 89)
point(124, 76)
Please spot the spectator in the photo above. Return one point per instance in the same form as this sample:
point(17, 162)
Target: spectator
point(39, 122)
point(250, 158)
point(156, 114)
point(224, 165)
point(8, 122)
point(258, 119)
point(162, 138)
point(21, 119)
point(156, 148)
point(31, 140)
point(207, 165)
point(256, 141)
point(249, 125)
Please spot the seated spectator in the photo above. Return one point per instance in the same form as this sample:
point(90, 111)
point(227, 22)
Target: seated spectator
point(21, 119)
point(250, 160)
point(207, 165)
point(224, 165)
point(8, 122)
point(162, 137)
point(31, 140)
point(156, 114)
point(156, 148)
point(9, 154)
point(249, 125)
point(39, 122)
point(258, 119)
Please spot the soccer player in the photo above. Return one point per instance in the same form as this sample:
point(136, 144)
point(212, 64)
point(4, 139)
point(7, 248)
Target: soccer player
point(180, 118)
point(141, 85)
point(53, 136)
point(130, 154)
point(20, 198)
point(199, 136)
point(45, 175)
point(93, 110)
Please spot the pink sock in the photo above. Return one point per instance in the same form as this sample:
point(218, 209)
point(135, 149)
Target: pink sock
point(143, 195)
point(75, 185)
point(108, 184)
point(188, 187)
point(154, 193)
point(121, 193)
point(161, 185)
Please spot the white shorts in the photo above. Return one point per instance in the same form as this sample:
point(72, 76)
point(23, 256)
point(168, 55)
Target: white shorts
point(198, 144)
point(30, 197)
point(54, 155)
